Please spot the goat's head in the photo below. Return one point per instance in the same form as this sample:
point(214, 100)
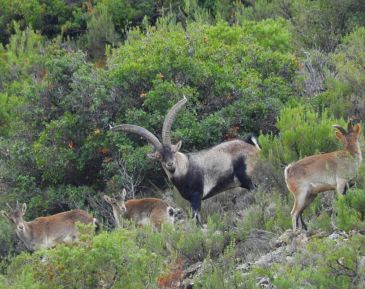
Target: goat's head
point(15, 216)
point(350, 137)
point(118, 204)
point(164, 152)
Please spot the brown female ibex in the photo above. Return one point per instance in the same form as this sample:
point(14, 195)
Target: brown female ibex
point(46, 232)
point(312, 175)
point(142, 211)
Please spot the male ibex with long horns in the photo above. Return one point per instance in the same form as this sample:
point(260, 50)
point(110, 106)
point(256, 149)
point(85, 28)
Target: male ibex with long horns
point(46, 232)
point(200, 175)
point(314, 174)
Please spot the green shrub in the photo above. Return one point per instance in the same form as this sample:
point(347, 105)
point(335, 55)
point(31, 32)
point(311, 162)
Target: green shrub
point(281, 220)
point(6, 239)
point(49, 17)
point(109, 258)
point(236, 80)
point(345, 89)
point(323, 263)
point(350, 210)
point(100, 32)
point(222, 273)
point(303, 132)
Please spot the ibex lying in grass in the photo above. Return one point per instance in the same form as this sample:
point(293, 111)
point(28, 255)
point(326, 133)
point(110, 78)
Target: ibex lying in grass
point(46, 232)
point(142, 211)
point(200, 175)
point(312, 175)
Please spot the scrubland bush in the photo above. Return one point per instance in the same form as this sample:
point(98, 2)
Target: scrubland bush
point(345, 93)
point(303, 132)
point(350, 210)
point(221, 273)
point(56, 151)
point(6, 239)
point(63, 118)
point(324, 263)
point(107, 259)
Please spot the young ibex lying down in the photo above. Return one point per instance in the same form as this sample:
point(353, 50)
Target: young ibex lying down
point(46, 232)
point(142, 211)
point(312, 175)
point(200, 175)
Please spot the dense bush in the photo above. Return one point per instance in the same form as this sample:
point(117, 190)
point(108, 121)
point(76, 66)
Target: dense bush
point(345, 94)
point(164, 65)
point(64, 113)
point(287, 70)
point(49, 17)
point(303, 132)
point(324, 263)
point(350, 210)
point(107, 259)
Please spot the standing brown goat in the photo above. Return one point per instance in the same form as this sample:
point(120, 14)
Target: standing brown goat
point(312, 175)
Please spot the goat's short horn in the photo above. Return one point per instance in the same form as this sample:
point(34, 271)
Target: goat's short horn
point(340, 128)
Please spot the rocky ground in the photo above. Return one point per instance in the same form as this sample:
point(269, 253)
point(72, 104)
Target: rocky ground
point(278, 250)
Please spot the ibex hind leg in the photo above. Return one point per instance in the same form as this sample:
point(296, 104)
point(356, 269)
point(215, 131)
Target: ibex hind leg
point(240, 172)
point(308, 199)
point(294, 216)
point(299, 205)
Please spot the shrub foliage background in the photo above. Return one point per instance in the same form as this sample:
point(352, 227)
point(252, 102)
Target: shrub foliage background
point(68, 69)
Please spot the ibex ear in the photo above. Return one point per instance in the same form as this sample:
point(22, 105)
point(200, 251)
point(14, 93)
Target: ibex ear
point(357, 129)
point(340, 137)
point(4, 214)
point(107, 199)
point(177, 147)
point(154, 156)
point(24, 208)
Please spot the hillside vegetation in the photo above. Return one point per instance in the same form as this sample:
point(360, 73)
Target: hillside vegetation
point(284, 71)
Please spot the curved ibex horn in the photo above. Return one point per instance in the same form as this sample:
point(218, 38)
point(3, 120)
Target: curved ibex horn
point(149, 136)
point(340, 128)
point(169, 119)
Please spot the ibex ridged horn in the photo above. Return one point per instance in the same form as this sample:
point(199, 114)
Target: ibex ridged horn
point(169, 119)
point(149, 136)
point(340, 128)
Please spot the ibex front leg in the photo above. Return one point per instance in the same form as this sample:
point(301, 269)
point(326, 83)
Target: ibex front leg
point(196, 205)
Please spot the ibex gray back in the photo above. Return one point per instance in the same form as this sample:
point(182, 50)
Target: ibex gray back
point(142, 211)
point(314, 174)
point(200, 175)
point(46, 232)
